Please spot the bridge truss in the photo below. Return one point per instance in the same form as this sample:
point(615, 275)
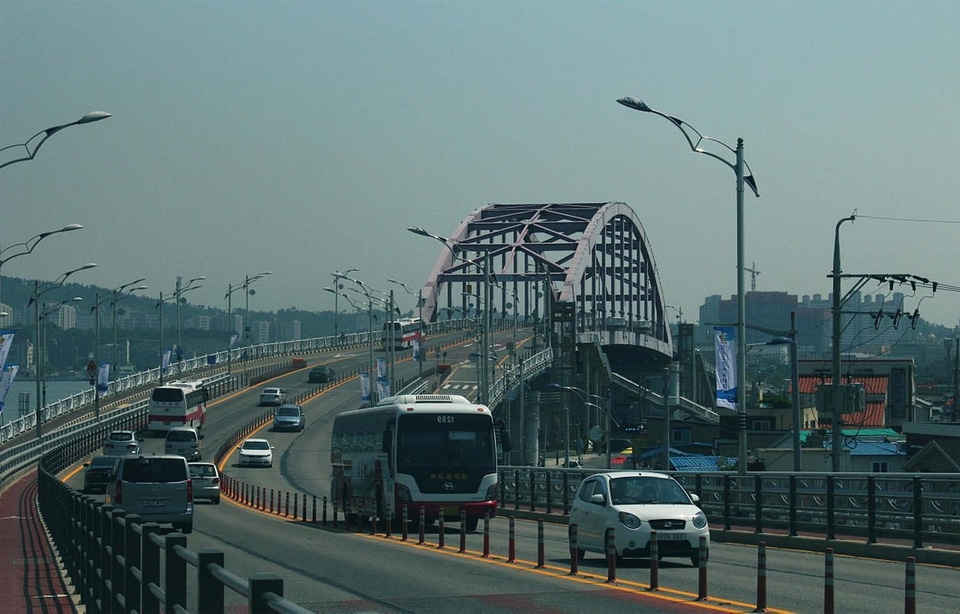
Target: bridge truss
point(594, 255)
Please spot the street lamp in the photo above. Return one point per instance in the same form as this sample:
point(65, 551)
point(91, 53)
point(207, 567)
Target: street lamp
point(368, 293)
point(118, 294)
point(420, 336)
point(247, 280)
point(584, 395)
point(91, 117)
point(738, 168)
point(180, 289)
point(47, 310)
point(836, 415)
point(454, 248)
point(35, 301)
point(31, 243)
point(337, 276)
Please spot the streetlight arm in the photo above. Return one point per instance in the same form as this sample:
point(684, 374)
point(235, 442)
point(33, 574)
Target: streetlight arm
point(686, 129)
point(86, 119)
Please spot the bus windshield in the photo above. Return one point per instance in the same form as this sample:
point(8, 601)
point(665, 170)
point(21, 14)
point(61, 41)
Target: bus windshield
point(445, 442)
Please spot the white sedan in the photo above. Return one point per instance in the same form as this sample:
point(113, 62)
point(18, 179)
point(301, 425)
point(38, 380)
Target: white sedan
point(255, 453)
point(631, 505)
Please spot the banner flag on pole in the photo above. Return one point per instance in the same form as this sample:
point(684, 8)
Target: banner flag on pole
point(165, 361)
point(103, 380)
point(233, 339)
point(383, 387)
point(365, 387)
point(725, 344)
point(416, 350)
point(6, 340)
point(381, 367)
point(6, 380)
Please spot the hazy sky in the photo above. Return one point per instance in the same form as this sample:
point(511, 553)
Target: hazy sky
point(304, 137)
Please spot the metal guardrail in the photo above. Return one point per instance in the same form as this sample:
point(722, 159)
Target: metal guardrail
point(922, 509)
point(693, 409)
point(528, 368)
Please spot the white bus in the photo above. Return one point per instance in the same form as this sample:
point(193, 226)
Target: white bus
point(179, 403)
point(400, 334)
point(438, 452)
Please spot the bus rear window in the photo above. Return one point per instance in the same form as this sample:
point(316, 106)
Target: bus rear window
point(167, 395)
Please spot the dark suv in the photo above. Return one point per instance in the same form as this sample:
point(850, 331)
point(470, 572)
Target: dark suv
point(321, 375)
point(157, 487)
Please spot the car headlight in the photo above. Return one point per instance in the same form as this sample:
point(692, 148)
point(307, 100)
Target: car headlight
point(628, 520)
point(700, 520)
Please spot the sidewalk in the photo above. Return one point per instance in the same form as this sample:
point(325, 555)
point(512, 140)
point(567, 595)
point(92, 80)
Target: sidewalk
point(29, 579)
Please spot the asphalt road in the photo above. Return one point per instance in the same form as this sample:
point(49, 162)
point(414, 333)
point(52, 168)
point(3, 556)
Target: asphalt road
point(328, 569)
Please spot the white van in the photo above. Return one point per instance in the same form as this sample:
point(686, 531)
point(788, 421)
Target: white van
point(184, 441)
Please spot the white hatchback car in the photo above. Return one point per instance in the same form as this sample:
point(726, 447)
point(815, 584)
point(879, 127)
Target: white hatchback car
point(632, 504)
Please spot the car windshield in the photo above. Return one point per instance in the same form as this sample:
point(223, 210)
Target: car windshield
point(256, 445)
point(154, 470)
point(121, 436)
point(181, 436)
point(288, 411)
point(102, 462)
point(635, 490)
point(271, 391)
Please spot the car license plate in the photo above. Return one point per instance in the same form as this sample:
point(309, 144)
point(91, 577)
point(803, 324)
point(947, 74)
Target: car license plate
point(671, 537)
point(450, 510)
point(154, 502)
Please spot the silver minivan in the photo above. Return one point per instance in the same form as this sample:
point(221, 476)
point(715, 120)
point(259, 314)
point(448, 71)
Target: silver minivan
point(184, 441)
point(157, 487)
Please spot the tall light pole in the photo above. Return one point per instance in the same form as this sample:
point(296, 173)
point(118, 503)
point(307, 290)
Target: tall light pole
point(738, 168)
point(28, 245)
point(247, 280)
point(35, 301)
point(484, 392)
point(160, 303)
point(420, 335)
point(337, 276)
point(47, 310)
point(119, 293)
point(181, 288)
point(368, 293)
point(836, 414)
point(91, 117)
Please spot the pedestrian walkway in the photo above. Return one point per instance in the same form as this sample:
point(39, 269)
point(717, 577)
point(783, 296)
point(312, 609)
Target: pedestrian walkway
point(30, 581)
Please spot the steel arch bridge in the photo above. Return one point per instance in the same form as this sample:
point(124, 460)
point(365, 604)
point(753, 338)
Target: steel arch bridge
point(594, 255)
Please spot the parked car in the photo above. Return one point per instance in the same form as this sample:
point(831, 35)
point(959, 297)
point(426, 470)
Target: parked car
point(185, 441)
point(206, 481)
point(273, 396)
point(157, 487)
point(122, 442)
point(321, 375)
point(255, 453)
point(288, 417)
point(98, 472)
point(632, 504)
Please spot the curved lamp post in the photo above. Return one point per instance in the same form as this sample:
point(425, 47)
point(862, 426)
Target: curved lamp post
point(35, 301)
point(31, 243)
point(337, 276)
point(420, 336)
point(91, 117)
point(118, 294)
point(484, 392)
point(739, 166)
point(181, 288)
point(231, 288)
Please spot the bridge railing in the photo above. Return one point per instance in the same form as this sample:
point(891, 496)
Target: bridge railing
point(919, 509)
point(527, 368)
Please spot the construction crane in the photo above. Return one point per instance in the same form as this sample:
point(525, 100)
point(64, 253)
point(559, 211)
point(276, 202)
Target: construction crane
point(753, 275)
